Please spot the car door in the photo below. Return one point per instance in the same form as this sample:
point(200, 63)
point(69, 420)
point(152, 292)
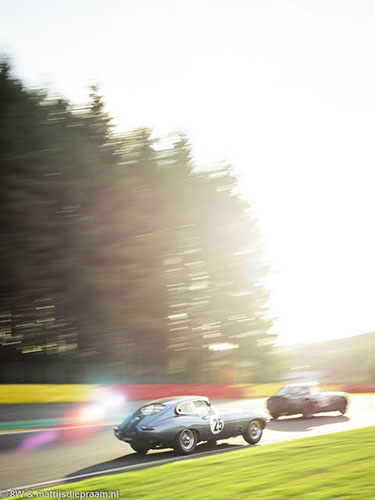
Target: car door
point(323, 400)
point(212, 425)
point(297, 397)
point(317, 398)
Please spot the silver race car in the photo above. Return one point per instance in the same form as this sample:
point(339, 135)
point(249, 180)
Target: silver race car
point(305, 398)
point(182, 422)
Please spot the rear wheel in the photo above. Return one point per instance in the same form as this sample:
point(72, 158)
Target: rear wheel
point(253, 432)
point(186, 442)
point(140, 448)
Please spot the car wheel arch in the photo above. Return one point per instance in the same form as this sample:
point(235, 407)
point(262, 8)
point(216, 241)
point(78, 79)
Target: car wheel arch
point(188, 447)
point(194, 429)
point(308, 408)
point(254, 436)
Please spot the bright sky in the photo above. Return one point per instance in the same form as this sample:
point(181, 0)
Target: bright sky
point(285, 90)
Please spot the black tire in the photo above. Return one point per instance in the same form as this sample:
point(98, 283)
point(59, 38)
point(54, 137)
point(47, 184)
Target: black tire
point(343, 406)
point(254, 432)
point(140, 448)
point(186, 441)
point(308, 410)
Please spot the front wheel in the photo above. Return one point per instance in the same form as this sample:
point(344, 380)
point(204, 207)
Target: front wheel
point(186, 442)
point(343, 407)
point(253, 432)
point(140, 448)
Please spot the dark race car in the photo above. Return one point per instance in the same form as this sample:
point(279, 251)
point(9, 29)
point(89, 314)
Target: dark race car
point(305, 398)
point(182, 422)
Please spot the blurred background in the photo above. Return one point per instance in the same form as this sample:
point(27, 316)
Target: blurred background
point(186, 192)
point(118, 259)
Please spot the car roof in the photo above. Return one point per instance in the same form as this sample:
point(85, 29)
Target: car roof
point(303, 384)
point(176, 399)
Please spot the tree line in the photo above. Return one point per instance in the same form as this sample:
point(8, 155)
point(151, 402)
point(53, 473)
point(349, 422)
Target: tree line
point(120, 259)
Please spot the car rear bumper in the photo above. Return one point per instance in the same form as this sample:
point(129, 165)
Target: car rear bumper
point(129, 436)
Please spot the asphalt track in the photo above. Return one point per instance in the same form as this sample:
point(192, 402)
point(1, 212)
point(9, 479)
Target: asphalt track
point(31, 458)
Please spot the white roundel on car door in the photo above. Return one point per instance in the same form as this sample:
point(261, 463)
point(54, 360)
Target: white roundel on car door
point(216, 424)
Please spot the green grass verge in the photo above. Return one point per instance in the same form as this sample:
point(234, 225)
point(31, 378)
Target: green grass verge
point(336, 466)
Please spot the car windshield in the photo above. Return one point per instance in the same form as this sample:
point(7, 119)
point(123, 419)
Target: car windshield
point(282, 391)
point(298, 390)
point(292, 391)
